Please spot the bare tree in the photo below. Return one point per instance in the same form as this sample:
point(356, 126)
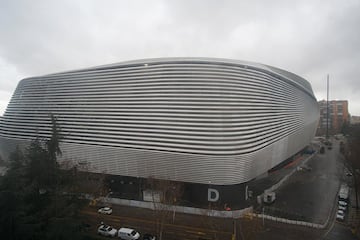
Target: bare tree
point(165, 195)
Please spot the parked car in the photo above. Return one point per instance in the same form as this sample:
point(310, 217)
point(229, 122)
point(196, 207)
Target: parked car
point(342, 208)
point(107, 231)
point(128, 234)
point(340, 215)
point(105, 210)
point(343, 203)
point(148, 236)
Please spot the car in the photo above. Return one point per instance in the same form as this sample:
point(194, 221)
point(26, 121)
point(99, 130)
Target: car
point(107, 231)
point(340, 215)
point(342, 208)
point(148, 236)
point(105, 210)
point(343, 203)
point(128, 234)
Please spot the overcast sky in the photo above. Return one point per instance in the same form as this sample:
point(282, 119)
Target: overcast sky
point(309, 38)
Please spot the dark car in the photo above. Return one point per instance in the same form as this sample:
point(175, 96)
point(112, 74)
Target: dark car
point(148, 236)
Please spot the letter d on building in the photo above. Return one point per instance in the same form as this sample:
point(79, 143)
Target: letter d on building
point(213, 195)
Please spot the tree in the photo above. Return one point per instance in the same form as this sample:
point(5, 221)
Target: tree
point(345, 128)
point(352, 155)
point(165, 195)
point(39, 170)
point(53, 146)
point(42, 156)
point(28, 212)
point(17, 159)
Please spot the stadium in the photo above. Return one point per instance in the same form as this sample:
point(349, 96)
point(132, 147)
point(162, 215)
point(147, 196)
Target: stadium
point(204, 122)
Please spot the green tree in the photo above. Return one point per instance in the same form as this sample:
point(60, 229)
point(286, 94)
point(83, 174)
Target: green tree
point(17, 159)
point(52, 144)
point(345, 128)
point(28, 212)
point(38, 169)
point(43, 168)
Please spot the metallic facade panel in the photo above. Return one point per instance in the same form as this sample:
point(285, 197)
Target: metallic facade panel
point(187, 119)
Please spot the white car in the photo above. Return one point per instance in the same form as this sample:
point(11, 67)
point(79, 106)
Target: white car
point(105, 210)
point(342, 208)
point(128, 234)
point(343, 203)
point(340, 215)
point(107, 231)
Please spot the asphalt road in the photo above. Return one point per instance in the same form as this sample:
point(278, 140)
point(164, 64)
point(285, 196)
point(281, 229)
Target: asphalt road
point(339, 231)
point(310, 194)
point(146, 221)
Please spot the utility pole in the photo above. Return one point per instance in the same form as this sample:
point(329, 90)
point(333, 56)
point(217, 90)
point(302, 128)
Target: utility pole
point(327, 108)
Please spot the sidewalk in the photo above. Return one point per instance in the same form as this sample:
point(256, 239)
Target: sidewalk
point(354, 215)
point(275, 178)
point(309, 194)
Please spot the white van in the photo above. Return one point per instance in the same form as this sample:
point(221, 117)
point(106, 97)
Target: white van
point(128, 234)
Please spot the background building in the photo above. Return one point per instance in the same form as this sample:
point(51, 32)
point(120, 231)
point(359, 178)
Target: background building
point(338, 116)
point(355, 120)
point(208, 123)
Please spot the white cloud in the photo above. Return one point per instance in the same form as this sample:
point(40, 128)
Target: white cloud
point(309, 38)
point(9, 77)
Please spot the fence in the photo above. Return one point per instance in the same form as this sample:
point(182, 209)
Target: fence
point(288, 221)
point(179, 209)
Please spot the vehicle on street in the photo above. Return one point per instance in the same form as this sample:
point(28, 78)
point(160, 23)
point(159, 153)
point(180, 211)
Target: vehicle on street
point(107, 231)
point(342, 208)
point(344, 192)
point(148, 236)
point(343, 203)
point(340, 215)
point(105, 210)
point(128, 234)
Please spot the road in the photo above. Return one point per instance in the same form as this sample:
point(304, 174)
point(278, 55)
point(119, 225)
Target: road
point(145, 221)
point(310, 195)
point(339, 231)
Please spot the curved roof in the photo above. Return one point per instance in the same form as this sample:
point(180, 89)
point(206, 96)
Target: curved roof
point(283, 74)
point(185, 119)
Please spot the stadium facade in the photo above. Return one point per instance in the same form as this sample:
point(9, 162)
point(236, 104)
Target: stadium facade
point(200, 121)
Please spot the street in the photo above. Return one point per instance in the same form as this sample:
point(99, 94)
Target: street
point(146, 221)
point(310, 194)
